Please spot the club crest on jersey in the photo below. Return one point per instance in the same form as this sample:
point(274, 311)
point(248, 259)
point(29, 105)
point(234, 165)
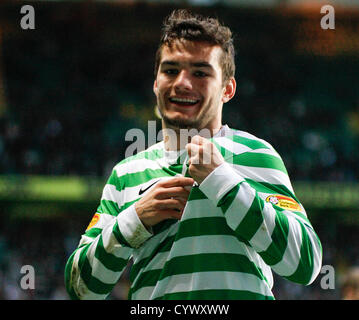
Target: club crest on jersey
point(94, 220)
point(284, 202)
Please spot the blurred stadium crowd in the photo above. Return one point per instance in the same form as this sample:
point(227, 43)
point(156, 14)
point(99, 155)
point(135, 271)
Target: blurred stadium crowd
point(77, 83)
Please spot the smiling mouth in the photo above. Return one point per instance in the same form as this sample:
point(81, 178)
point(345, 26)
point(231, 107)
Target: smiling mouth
point(185, 102)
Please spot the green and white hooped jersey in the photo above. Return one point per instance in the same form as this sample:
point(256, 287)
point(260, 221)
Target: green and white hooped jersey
point(241, 223)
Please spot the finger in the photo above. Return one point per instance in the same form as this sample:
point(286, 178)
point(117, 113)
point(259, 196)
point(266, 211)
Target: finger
point(182, 201)
point(177, 182)
point(171, 214)
point(192, 149)
point(173, 192)
point(171, 203)
point(198, 140)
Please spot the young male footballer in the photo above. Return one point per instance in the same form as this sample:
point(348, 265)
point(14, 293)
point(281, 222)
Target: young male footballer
point(208, 218)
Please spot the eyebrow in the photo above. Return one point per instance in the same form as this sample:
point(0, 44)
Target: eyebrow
point(199, 64)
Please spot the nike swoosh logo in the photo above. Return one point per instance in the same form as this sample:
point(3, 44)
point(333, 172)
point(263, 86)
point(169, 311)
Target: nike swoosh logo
point(144, 190)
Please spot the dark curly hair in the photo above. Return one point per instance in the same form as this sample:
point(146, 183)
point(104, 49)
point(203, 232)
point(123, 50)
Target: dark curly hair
point(182, 24)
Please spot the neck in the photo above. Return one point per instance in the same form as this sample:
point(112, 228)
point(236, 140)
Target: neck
point(177, 138)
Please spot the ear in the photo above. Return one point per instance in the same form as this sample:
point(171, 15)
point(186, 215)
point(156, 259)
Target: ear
point(229, 90)
point(155, 87)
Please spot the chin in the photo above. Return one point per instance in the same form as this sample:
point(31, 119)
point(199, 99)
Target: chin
point(179, 123)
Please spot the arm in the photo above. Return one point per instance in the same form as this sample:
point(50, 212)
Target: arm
point(246, 187)
point(280, 233)
point(105, 248)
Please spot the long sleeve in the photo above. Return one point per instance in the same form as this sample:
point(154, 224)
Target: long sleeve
point(105, 248)
point(255, 195)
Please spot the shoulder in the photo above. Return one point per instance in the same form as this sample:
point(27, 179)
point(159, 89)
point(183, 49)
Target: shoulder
point(255, 158)
point(238, 142)
point(139, 161)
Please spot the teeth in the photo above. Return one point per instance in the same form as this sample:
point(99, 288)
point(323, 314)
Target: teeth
point(183, 100)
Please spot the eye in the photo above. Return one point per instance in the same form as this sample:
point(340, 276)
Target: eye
point(171, 71)
point(200, 74)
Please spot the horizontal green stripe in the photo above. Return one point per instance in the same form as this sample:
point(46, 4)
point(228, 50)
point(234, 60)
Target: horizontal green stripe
point(68, 282)
point(128, 204)
point(137, 178)
point(226, 201)
point(108, 206)
point(118, 235)
point(150, 155)
point(275, 251)
point(115, 181)
point(93, 232)
point(250, 143)
point(215, 295)
point(305, 267)
point(252, 220)
point(93, 284)
point(146, 279)
point(163, 225)
point(162, 247)
point(266, 187)
point(203, 226)
point(206, 226)
point(196, 194)
point(259, 160)
point(210, 262)
point(199, 263)
point(171, 171)
point(226, 154)
point(110, 261)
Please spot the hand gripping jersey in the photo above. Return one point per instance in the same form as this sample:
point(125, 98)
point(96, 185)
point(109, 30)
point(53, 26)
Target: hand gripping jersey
point(241, 223)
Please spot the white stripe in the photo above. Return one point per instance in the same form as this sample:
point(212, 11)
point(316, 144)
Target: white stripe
point(230, 145)
point(317, 254)
point(112, 194)
point(104, 220)
point(129, 193)
point(262, 239)
point(224, 177)
point(143, 293)
point(240, 205)
point(270, 152)
point(79, 285)
point(296, 216)
point(272, 176)
point(201, 208)
point(184, 166)
point(151, 244)
point(208, 244)
point(111, 244)
point(85, 240)
point(147, 249)
point(215, 280)
point(136, 165)
point(132, 228)
point(155, 264)
point(252, 137)
point(245, 135)
point(291, 256)
point(100, 272)
point(219, 244)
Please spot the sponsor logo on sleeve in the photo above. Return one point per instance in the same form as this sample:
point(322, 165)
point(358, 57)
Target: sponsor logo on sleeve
point(94, 220)
point(284, 202)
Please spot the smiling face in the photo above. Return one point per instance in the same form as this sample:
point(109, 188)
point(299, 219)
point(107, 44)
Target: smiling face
point(189, 87)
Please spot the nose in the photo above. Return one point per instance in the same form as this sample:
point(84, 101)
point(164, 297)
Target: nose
point(183, 81)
